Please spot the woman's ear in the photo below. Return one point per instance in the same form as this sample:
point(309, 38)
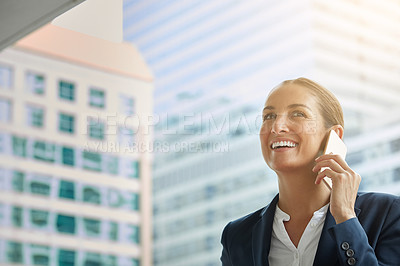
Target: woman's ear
point(339, 130)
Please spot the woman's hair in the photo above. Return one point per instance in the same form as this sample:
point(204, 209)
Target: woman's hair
point(329, 106)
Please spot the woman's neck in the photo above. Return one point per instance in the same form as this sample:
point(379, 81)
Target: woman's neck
point(299, 196)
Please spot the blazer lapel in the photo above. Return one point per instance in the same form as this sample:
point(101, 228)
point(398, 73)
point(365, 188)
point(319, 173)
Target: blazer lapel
point(326, 251)
point(261, 235)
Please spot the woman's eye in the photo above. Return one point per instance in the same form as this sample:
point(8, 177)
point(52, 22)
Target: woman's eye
point(269, 116)
point(299, 114)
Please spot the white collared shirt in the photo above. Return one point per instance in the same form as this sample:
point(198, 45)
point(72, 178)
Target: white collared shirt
point(283, 252)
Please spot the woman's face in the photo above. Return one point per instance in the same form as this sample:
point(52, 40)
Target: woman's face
point(293, 132)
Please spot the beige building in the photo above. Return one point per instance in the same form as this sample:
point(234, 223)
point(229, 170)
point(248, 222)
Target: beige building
point(75, 163)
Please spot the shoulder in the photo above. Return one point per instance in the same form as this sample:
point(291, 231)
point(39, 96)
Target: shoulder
point(245, 222)
point(376, 199)
point(380, 205)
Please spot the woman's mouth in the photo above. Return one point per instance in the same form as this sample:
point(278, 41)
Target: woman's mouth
point(283, 144)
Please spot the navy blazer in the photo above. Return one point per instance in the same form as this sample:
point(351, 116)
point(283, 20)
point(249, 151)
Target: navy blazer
point(373, 238)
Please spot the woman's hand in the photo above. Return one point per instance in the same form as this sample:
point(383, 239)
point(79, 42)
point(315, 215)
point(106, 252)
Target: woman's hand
point(345, 183)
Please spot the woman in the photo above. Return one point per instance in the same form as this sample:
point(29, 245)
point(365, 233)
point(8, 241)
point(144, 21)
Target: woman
point(307, 223)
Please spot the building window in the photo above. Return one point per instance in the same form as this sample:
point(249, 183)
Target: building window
point(5, 110)
point(91, 195)
point(68, 156)
point(96, 98)
point(113, 233)
point(115, 199)
point(135, 262)
point(135, 201)
point(6, 77)
point(133, 169)
point(35, 83)
point(40, 187)
point(135, 234)
point(40, 255)
point(18, 181)
point(96, 128)
point(67, 190)
point(92, 227)
point(43, 151)
point(34, 116)
point(17, 216)
point(66, 90)
point(19, 146)
point(39, 218)
point(15, 252)
point(126, 136)
point(66, 257)
point(66, 123)
point(91, 161)
point(112, 165)
point(66, 224)
point(93, 259)
point(127, 105)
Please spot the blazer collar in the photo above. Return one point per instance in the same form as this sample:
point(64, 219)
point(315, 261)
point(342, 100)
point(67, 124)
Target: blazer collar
point(262, 232)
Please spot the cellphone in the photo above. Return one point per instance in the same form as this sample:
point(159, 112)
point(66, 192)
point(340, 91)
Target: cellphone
point(334, 145)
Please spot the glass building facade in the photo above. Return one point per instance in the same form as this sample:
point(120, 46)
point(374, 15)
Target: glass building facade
point(214, 63)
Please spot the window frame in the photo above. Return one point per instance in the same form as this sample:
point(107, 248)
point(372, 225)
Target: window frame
point(31, 85)
point(66, 93)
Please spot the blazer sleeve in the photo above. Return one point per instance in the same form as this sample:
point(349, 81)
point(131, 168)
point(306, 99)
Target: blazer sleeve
point(354, 247)
point(225, 257)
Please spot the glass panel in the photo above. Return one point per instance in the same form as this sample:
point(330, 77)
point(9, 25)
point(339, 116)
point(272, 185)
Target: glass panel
point(66, 123)
point(135, 262)
point(17, 216)
point(40, 259)
point(112, 165)
point(91, 161)
point(35, 116)
point(96, 128)
point(19, 146)
point(40, 255)
point(6, 77)
point(18, 181)
point(135, 201)
point(135, 235)
point(39, 218)
point(115, 198)
point(96, 98)
point(66, 90)
point(126, 137)
point(111, 260)
point(92, 227)
point(5, 110)
point(113, 234)
point(66, 224)
point(40, 188)
point(66, 257)
point(35, 83)
point(91, 195)
point(43, 151)
point(14, 252)
point(127, 104)
point(92, 259)
point(133, 170)
point(67, 190)
point(68, 156)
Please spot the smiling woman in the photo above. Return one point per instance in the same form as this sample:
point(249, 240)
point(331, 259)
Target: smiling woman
point(307, 223)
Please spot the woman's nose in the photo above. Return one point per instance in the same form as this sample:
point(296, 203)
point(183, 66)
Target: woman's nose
point(280, 125)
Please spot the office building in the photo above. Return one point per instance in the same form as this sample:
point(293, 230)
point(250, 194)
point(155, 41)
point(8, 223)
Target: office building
point(75, 186)
point(214, 63)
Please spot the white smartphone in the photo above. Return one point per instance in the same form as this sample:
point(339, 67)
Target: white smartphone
point(334, 145)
